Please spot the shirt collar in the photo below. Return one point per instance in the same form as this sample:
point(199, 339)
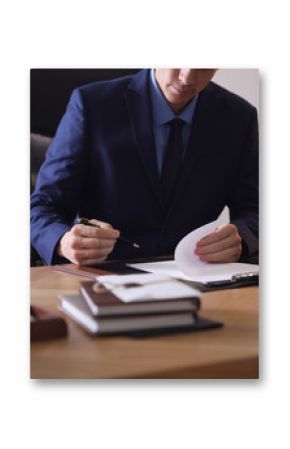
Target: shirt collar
point(162, 113)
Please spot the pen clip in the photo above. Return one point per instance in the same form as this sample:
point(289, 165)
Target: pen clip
point(250, 277)
point(245, 276)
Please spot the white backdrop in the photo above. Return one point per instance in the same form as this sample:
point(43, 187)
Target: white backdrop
point(128, 414)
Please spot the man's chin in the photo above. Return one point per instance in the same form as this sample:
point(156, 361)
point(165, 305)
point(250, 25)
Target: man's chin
point(178, 106)
point(180, 98)
point(183, 93)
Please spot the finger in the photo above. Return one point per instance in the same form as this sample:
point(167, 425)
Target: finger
point(90, 231)
point(86, 262)
point(102, 224)
point(221, 233)
point(229, 242)
point(91, 243)
point(225, 256)
point(83, 254)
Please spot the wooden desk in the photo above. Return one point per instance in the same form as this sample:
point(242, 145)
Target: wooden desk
point(230, 352)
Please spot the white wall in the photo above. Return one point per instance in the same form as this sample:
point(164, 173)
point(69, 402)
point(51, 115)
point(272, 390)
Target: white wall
point(243, 82)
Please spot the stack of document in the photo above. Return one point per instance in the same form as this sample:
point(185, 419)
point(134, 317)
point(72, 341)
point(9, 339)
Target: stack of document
point(121, 304)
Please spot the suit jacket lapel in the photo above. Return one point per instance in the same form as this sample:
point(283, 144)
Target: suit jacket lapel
point(139, 109)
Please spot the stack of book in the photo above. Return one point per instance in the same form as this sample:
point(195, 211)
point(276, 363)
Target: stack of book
point(123, 304)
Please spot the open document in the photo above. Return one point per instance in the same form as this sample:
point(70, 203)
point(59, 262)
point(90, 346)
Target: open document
point(187, 265)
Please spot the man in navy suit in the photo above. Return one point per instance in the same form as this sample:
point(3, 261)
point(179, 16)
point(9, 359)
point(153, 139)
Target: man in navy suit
point(109, 162)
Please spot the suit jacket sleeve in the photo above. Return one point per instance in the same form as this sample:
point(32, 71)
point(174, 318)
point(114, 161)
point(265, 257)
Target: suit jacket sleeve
point(244, 198)
point(55, 201)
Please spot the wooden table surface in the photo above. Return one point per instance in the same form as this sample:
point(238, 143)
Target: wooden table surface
point(229, 352)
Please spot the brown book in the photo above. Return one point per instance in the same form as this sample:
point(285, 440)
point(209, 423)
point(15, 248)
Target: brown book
point(105, 303)
point(45, 325)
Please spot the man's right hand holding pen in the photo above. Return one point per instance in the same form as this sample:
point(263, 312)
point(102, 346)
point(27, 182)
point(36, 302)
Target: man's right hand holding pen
point(88, 244)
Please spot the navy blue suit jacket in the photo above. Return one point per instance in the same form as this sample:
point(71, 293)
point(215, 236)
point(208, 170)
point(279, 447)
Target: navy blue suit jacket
point(102, 164)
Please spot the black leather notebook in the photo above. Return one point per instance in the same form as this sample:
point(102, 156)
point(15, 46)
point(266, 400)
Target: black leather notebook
point(200, 325)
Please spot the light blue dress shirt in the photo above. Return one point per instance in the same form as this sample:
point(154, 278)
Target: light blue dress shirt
point(162, 114)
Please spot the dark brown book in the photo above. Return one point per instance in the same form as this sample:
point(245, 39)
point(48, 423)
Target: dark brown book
point(45, 325)
point(105, 303)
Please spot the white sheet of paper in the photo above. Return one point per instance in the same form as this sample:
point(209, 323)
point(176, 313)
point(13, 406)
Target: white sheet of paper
point(166, 268)
point(210, 273)
point(188, 262)
point(188, 266)
point(152, 286)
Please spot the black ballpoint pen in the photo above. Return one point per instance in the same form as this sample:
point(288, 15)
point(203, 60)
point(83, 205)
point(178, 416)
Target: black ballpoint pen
point(87, 222)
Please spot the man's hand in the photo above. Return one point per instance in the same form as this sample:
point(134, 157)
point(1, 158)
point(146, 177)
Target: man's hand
point(87, 245)
point(223, 245)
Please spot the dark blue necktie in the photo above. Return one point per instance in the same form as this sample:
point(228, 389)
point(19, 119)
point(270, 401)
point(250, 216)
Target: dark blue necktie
point(172, 159)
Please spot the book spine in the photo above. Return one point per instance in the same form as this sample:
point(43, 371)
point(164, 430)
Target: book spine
point(92, 306)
